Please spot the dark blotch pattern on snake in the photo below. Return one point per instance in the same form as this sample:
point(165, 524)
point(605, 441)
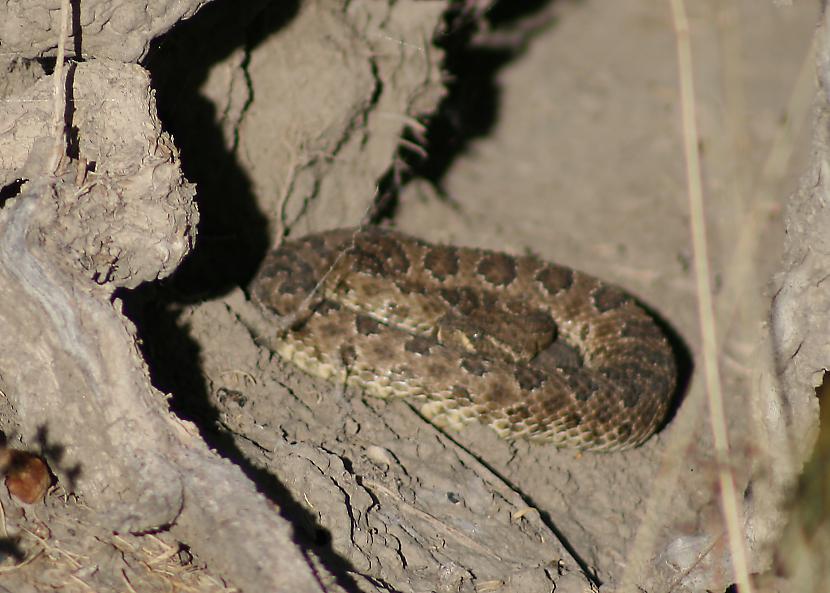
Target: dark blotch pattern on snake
point(530, 348)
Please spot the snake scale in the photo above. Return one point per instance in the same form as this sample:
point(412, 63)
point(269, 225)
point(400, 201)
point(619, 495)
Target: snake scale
point(531, 348)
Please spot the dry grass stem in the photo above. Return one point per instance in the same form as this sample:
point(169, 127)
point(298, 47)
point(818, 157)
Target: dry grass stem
point(729, 496)
point(60, 92)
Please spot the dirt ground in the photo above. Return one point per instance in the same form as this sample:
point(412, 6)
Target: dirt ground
point(553, 128)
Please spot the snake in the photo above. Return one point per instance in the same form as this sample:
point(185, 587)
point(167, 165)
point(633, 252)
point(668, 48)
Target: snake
point(530, 348)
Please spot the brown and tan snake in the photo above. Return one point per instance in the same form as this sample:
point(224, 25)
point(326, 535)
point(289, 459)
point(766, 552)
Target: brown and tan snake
point(528, 347)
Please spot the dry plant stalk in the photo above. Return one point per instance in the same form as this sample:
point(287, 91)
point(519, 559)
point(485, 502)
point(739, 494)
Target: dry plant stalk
point(729, 496)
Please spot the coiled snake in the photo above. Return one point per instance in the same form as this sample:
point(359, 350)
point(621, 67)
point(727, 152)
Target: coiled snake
point(531, 348)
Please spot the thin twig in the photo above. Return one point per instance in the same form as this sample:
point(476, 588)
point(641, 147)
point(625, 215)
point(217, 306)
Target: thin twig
point(729, 497)
point(70, 557)
point(58, 110)
point(4, 530)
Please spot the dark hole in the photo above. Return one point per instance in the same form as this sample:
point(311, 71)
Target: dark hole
point(48, 65)
point(11, 190)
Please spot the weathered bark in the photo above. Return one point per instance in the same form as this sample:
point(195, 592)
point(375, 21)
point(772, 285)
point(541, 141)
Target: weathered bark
point(69, 361)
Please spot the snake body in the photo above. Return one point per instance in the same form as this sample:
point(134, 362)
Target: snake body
point(532, 349)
